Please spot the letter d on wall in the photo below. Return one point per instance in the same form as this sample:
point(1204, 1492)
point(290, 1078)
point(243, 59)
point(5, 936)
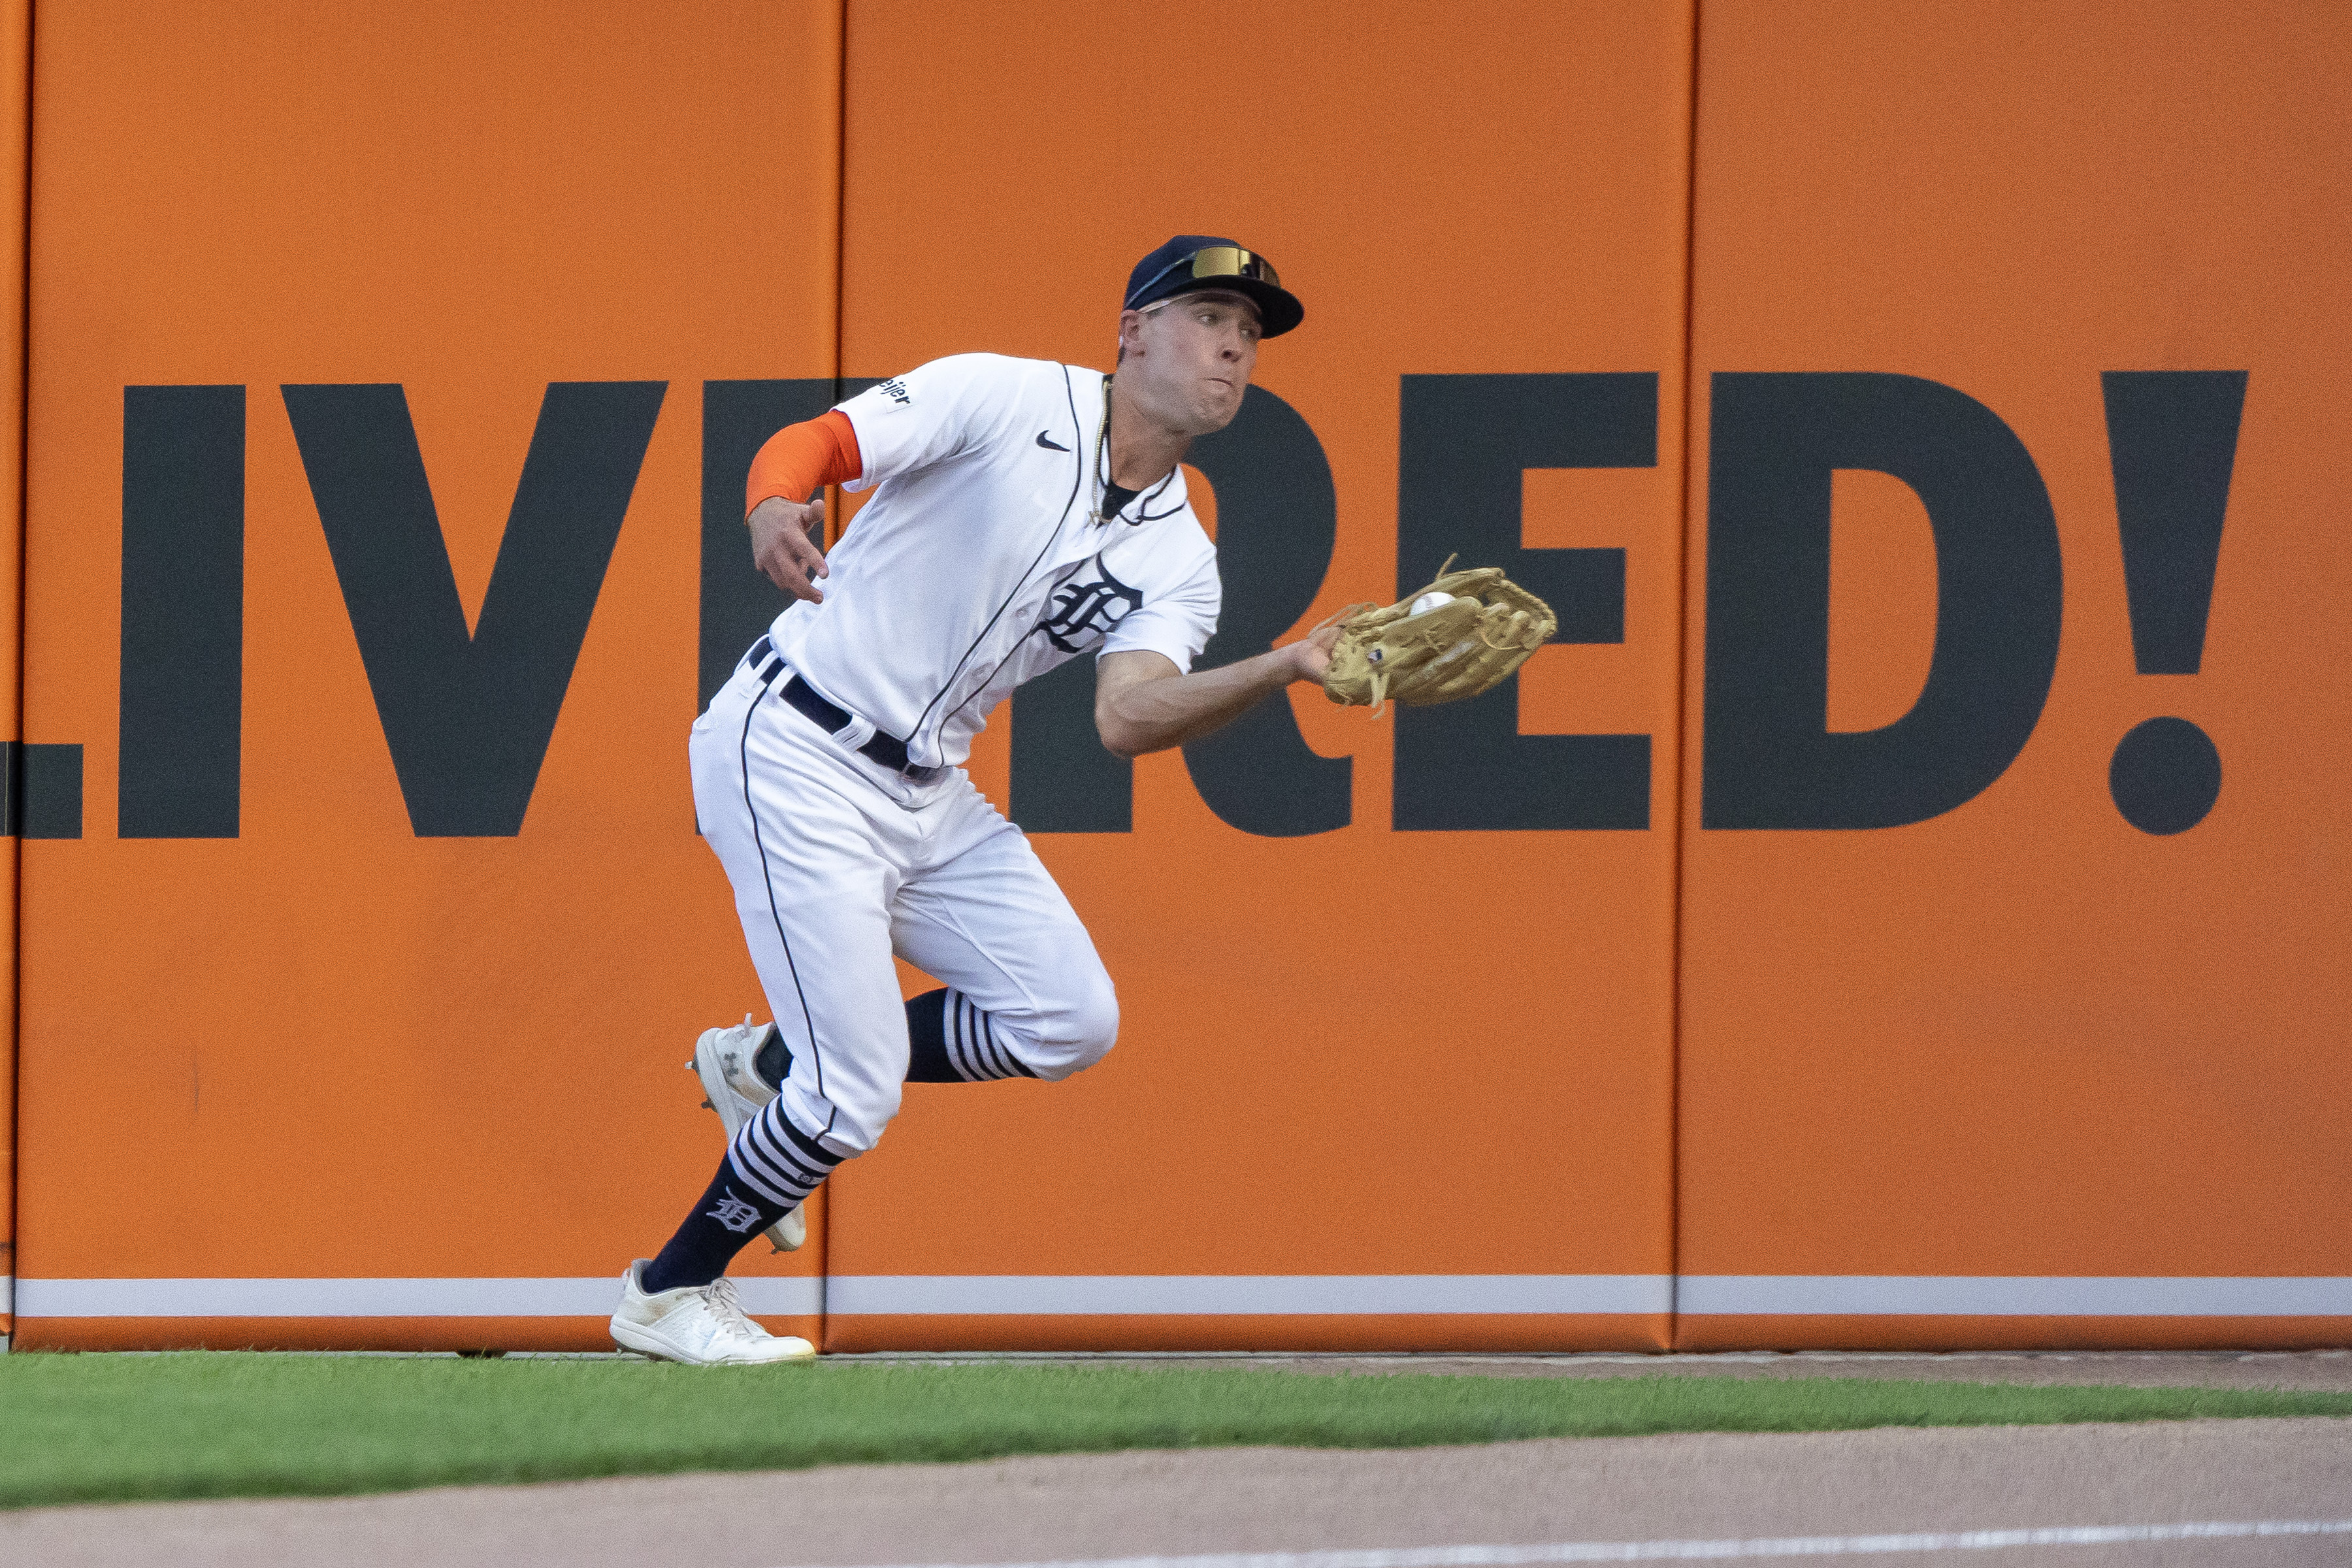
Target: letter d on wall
point(1770, 758)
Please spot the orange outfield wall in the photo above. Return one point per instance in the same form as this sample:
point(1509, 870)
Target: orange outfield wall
point(1769, 965)
point(352, 1075)
point(2021, 1073)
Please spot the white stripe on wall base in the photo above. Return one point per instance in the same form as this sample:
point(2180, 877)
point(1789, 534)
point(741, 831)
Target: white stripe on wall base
point(1971, 1296)
point(1230, 1295)
point(1222, 1295)
point(591, 1298)
point(981, 1295)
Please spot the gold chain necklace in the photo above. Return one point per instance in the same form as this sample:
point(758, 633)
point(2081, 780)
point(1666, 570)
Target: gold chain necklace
point(1101, 475)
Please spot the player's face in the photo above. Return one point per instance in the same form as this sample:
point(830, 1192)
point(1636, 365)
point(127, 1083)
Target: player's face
point(1194, 356)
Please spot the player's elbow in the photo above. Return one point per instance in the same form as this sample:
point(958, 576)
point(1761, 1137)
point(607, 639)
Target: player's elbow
point(1124, 684)
point(1124, 738)
point(1123, 735)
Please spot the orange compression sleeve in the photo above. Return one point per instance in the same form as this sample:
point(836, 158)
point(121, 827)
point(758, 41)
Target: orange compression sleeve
point(800, 458)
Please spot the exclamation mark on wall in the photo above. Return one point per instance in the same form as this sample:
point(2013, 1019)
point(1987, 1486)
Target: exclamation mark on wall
point(2172, 439)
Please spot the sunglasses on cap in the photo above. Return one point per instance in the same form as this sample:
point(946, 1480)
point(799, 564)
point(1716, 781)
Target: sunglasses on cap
point(1214, 261)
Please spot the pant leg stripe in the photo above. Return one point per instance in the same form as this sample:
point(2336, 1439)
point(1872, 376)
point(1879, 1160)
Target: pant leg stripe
point(757, 1184)
point(959, 1039)
point(759, 1135)
point(768, 879)
point(810, 1151)
point(750, 1157)
point(976, 1050)
point(783, 1178)
point(1013, 1066)
point(983, 1046)
point(780, 1162)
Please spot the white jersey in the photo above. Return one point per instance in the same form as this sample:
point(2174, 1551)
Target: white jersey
point(980, 563)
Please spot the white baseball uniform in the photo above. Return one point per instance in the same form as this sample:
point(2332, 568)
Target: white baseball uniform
point(979, 564)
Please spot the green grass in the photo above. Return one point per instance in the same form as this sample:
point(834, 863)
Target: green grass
point(84, 1429)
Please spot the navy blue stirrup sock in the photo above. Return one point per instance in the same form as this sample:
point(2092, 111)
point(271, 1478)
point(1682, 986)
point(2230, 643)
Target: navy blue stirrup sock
point(952, 1041)
point(729, 1214)
point(771, 1167)
point(773, 1060)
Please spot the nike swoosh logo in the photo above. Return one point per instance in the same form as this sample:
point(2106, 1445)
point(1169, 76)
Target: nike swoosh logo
point(1050, 445)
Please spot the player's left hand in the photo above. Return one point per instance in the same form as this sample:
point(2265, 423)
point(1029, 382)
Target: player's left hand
point(1465, 634)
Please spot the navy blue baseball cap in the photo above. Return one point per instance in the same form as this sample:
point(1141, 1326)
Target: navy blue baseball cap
point(1193, 261)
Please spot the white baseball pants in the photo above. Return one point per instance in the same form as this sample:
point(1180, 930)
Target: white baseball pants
point(837, 863)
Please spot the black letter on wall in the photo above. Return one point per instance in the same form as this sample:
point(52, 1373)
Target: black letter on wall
point(1063, 780)
point(2172, 439)
point(1465, 440)
point(183, 681)
point(1770, 758)
point(1277, 519)
point(469, 718)
point(42, 795)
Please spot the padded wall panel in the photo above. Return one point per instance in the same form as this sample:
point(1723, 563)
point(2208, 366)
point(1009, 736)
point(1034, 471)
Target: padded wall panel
point(2059, 295)
point(366, 500)
point(1395, 1065)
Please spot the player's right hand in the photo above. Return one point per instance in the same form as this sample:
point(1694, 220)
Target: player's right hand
point(782, 545)
point(1310, 656)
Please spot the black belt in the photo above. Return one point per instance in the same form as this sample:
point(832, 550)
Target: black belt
point(888, 750)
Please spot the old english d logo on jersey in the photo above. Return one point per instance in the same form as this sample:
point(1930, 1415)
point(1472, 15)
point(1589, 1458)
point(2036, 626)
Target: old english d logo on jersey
point(1083, 614)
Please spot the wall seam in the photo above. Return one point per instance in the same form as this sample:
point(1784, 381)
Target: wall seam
point(840, 203)
point(1682, 691)
point(833, 518)
point(9, 790)
point(836, 500)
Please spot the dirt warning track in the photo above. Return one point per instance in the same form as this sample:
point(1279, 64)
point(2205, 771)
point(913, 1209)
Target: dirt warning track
point(1707, 1488)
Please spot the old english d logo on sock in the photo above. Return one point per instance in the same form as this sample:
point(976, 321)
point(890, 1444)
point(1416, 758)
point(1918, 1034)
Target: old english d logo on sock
point(735, 1214)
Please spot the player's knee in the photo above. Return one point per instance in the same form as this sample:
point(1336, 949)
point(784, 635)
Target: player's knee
point(1084, 1030)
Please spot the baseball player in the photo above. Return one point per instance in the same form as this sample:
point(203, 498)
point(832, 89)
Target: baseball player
point(1025, 512)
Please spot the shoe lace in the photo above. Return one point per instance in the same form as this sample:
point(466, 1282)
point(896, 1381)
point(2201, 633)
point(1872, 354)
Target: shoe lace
point(727, 1306)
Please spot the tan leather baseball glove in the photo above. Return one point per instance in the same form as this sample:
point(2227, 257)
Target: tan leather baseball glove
point(1481, 627)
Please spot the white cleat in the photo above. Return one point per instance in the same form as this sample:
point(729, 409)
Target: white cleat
point(697, 1325)
point(731, 1085)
